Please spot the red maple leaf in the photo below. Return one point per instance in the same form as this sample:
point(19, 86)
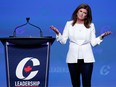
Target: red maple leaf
point(27, 69)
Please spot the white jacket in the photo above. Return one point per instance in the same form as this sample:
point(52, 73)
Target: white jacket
point(81, 39)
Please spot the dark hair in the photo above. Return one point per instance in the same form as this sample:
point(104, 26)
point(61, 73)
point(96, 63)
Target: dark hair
point(87, 20)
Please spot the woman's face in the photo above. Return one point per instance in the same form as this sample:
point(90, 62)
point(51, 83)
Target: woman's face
point(81, 14)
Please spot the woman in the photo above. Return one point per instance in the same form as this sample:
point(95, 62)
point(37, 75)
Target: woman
point(81, 33)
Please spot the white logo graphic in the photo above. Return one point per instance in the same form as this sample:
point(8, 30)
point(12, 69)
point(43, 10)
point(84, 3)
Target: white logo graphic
point(20, 67)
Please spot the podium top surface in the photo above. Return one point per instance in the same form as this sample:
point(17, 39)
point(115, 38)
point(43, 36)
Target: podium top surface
point(27, 40)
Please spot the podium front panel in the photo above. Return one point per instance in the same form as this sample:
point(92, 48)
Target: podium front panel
point(27, 66)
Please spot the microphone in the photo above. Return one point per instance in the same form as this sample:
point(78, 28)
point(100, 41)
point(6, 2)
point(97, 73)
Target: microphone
point(14, 33)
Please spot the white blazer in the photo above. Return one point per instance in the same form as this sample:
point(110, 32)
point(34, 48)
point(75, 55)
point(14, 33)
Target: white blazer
point(80, 41)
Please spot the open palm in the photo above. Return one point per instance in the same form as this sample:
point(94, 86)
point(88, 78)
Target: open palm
point(105, 34)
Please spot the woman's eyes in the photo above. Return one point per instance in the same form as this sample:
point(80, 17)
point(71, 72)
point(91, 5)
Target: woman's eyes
point(83, 12)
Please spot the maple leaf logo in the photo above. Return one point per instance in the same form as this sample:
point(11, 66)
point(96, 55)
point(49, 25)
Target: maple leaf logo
point(27, 69)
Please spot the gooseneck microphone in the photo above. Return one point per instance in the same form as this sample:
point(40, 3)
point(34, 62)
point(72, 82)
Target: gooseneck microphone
point(14, 33)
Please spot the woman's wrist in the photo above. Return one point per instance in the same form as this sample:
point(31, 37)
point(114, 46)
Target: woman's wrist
point(101, 37)
point(57, 32)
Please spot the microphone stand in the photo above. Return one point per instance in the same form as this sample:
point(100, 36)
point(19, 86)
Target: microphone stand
point(14, 33)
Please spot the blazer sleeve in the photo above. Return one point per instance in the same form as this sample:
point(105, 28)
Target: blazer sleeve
point(63, 38)
point(94, 40)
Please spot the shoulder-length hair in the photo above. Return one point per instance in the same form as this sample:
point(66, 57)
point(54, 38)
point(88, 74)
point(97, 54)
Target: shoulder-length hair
point(87, 20)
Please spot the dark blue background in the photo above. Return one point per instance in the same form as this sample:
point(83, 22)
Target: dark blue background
point(45, 13)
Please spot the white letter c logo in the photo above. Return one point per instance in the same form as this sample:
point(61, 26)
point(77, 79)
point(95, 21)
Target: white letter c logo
point(20, 67)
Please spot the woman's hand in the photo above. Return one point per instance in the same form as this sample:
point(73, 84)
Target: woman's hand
point(55, 30)
point(105, 34)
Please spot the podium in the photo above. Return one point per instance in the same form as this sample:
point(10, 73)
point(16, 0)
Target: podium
point(27, 61)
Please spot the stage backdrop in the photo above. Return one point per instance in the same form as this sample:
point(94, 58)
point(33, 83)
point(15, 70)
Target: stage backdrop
point(44, 13)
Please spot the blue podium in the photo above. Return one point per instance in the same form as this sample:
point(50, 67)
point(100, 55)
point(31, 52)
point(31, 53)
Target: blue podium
point(27, 61)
